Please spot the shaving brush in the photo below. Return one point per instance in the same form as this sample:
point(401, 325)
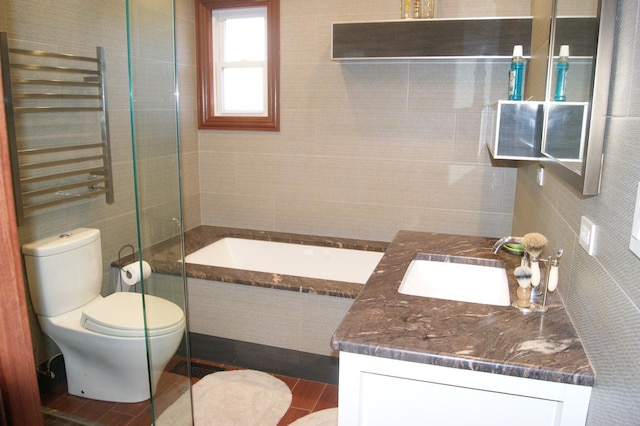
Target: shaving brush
point(533, 244)
point(523, 275)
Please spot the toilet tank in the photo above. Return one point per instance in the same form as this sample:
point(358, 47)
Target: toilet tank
point(64, 272)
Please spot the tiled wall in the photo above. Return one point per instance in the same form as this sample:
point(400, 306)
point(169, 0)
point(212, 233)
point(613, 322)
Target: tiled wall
point(365, 148)
point(602, 293)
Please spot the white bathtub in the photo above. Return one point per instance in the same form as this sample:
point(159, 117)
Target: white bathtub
point(326, 263)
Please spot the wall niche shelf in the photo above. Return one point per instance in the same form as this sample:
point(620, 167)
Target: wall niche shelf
point(483, 38)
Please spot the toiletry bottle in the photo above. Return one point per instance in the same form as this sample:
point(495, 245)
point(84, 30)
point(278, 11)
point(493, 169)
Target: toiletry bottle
point(427, 8)
point(406, 9)
point(516, 75)
point(563, 66)
point(416, 9)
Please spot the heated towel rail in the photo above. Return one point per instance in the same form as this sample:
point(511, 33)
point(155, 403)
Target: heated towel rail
point(57, 125)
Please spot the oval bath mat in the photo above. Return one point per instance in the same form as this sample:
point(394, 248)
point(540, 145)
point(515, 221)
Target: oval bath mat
point(328, 417)
point(232, 398)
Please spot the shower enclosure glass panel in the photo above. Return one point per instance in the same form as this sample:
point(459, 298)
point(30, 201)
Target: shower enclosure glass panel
point(155, 139)
point(138, 37)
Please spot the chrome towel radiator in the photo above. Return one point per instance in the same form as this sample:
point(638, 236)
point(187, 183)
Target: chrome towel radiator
point(57, 125)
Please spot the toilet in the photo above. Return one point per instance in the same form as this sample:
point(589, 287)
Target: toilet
point(102, 339)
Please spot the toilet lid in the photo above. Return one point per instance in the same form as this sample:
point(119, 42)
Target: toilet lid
point(121, 314)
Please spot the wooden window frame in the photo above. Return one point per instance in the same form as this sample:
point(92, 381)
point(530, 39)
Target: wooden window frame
point(206, 84)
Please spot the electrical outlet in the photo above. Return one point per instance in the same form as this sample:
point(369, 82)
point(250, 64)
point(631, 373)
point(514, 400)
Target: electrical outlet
point(634, 243)
point(587, 235)
point(540, 176)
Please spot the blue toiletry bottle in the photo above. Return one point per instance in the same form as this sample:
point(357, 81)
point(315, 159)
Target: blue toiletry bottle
point(516, 75)
point(563, 66)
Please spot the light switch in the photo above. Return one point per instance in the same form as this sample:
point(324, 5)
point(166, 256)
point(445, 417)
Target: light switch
point(634, 244)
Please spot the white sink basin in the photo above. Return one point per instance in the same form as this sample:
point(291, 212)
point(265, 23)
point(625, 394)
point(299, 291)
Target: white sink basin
point(463, 279)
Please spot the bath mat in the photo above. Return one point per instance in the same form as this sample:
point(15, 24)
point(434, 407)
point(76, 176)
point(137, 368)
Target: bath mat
point(231, 398)
point(328, 417)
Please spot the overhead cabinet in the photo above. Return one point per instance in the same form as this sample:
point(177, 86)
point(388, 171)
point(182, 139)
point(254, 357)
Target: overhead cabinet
point(451, 38)
point(431, 38)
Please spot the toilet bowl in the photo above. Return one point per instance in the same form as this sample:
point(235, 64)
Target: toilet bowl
point(114, 349)
point(106, 358)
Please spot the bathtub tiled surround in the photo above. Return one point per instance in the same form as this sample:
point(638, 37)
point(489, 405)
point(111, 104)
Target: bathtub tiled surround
point(165, 259)
point(282, 311)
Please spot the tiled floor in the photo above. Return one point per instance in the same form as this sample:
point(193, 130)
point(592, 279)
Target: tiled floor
point(308, 397)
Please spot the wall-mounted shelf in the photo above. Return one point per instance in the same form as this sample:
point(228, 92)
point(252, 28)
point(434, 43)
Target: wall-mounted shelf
point(452, 38)
point(431, 38)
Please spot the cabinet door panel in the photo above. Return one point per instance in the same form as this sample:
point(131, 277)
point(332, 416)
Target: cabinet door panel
point(393, 400)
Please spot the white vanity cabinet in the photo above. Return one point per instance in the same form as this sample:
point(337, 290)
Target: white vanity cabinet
point(382, 391)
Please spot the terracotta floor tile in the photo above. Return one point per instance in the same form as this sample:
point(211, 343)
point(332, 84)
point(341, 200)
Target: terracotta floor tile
point(67, 403)
point(114, 418)
point(328, 398)
point(205, 362)
point(230, 367)
point(306, 393)
point(132, 409)
point(290, 381)
point(167, 380)
point(165, 400)
point(52, 394)
point(93, 410)
point(292, 415)
point(142, 419)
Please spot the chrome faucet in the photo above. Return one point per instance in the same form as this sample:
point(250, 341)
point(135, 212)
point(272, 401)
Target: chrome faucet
point(505, 240)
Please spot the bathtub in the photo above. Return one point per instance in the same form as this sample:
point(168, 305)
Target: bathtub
point(315, 262)
point(276, 289)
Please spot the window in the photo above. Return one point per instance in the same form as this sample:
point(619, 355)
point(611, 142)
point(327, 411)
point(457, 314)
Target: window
point(238, 64)
point(240, 61)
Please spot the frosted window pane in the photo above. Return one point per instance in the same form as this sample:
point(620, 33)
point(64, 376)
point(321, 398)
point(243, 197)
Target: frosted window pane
point(243, 89)
point(244, 39)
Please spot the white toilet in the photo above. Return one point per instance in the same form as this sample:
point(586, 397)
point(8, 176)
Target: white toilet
point(102, 339)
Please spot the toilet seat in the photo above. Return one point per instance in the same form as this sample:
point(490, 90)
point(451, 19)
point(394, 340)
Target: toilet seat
point(121, 315)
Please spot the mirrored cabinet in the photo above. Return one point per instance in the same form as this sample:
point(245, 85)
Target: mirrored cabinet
point(561, 122)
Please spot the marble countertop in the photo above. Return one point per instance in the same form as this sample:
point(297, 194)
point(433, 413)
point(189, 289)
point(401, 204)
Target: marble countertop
point(495, 339)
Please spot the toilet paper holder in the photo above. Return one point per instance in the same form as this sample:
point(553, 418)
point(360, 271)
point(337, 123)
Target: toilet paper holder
point(133, 273)
point(121, 266)
point(133, 254)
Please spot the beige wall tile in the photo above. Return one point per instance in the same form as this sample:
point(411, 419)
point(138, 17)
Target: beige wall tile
point(285, 319)
point(363, 143)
